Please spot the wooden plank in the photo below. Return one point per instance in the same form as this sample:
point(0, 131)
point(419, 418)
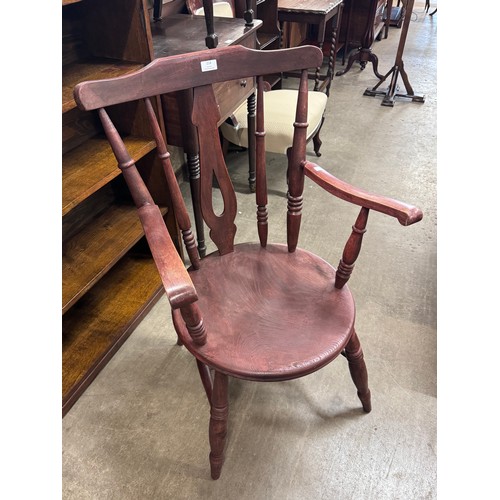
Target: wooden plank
point(95, 69)
point(90, 166)
point(68, 2)
point(98, 324)
point(89, 255)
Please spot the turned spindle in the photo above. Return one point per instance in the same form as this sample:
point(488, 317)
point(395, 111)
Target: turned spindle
point(352, 249)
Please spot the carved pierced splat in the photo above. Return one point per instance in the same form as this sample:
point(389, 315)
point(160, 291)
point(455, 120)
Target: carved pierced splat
point(261, 181)
point(295, 165)
point(205, 117)
point(173, 187)
point(352, 249)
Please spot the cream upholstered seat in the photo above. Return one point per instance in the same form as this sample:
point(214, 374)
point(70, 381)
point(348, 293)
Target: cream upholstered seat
point(221, 9)
point(279, 106)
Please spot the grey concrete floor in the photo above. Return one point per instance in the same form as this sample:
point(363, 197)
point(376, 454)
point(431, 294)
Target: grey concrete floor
point(140, 431)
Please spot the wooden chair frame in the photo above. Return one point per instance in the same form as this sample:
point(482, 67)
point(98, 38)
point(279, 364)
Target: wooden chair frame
point(260, 311)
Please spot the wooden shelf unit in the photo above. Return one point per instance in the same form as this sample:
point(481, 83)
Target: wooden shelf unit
point(109, 278)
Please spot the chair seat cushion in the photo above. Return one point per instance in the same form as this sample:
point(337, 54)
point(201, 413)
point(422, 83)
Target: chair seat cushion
point(279, 110)
point(269, 314)
point(220, 9)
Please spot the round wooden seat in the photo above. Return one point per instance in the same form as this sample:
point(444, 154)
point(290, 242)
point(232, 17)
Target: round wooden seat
point(269, 314)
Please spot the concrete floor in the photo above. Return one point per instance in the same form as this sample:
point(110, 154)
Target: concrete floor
point(141, 429)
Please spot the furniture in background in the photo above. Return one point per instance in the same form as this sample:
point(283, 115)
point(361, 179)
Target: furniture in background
point(392, 91)
point(109, 281)
point(219, 9)
point(239, 127)
point(257, 311)
point(363, 22)
point(320, 14)
point(397, 15)
point(279, 107)
point(428, 6)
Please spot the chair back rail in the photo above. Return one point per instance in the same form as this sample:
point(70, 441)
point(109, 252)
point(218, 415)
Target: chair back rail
point(199, 70)
point(185, 71)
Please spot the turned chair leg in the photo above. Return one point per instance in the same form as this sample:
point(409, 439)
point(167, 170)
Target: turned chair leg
point(218, 423)
point(357, 367)
point(206, 379)
point(316, 139)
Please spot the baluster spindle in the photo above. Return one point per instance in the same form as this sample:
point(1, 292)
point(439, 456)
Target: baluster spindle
point(211, 40)
point(191, 315)
point(352, 249)
point(295, 170)
point(248, 14)
point(173, 187)
point(261, 181)
point(251, 141)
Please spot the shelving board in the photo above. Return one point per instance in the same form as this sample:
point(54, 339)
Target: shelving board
point(98, 324)
point(92, 252)
point(92, 165)
point(266, 39)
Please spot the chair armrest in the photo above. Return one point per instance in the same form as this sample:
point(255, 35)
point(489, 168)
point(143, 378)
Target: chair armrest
point(174, 276)
point(406, 214)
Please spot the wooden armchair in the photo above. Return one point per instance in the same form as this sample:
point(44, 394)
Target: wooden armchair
point(258, 311)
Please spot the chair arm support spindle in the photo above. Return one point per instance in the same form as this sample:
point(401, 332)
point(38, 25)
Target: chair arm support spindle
point(404, 213)
point(191, 315)
point(352, 249)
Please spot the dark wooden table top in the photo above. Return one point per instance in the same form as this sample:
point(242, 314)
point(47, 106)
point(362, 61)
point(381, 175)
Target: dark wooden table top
point(310, 6)
point(181, 33)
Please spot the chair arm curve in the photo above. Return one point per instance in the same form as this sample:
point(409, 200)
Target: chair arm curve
point(174, 276)
point(406, 214)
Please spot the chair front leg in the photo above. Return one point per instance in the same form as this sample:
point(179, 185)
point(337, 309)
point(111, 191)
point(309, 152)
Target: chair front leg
point(206, 379)
point(359, 374)
point(218, 423)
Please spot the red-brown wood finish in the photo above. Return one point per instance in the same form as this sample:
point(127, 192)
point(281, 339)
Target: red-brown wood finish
point(295, 172)
point(260, 179)
point(175, 193)
point(206, 117)
point(258, 311)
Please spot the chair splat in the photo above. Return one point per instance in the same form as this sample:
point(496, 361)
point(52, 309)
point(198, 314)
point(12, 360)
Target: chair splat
point(205, 117)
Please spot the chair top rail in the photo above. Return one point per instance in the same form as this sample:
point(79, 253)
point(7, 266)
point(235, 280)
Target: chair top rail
point(183, 71)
